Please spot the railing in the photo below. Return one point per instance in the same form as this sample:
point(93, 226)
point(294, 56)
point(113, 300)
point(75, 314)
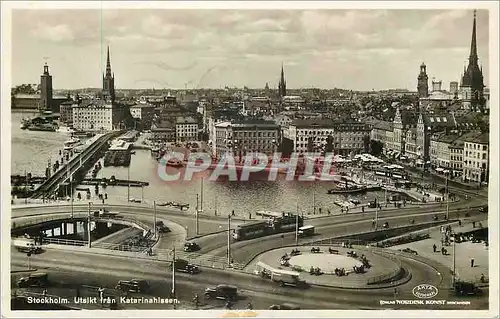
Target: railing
point(60, 241)
point(28, 221)
point(389, 276)
point(60, 173)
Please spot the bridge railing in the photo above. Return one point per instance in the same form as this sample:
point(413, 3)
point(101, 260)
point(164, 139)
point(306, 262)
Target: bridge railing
point(389, 276)
point(28, 221)
point(60, 241)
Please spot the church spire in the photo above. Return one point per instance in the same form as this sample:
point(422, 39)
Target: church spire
point(473, 44)
point(282, 83)
point(108, 65)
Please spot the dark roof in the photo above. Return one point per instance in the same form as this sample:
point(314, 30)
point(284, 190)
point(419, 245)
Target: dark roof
point(483, 138)
point(384, 125)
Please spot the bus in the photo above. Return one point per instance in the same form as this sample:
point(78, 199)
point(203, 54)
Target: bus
point(305, 231)
point(280, 276)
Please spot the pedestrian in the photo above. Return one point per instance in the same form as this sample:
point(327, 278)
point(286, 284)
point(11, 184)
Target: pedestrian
point(44, 292)
point(473, 224)
point(434, 247)
point(459, 223)
point(472, 262)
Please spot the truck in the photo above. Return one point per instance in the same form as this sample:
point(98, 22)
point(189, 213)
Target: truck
point(280, 276)
point(306, 231)
point(26, 245)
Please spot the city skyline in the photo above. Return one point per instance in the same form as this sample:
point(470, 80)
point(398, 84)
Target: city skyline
point(216, 48)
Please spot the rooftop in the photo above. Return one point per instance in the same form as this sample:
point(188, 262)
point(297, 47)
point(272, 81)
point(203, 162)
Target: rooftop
point(483, 138)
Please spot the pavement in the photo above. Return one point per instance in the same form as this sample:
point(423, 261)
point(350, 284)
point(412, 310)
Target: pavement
point(463, 253)
point(327, 263)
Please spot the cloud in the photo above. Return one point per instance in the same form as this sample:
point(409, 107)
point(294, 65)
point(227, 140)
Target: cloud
point(57, 33)
point(253, 42)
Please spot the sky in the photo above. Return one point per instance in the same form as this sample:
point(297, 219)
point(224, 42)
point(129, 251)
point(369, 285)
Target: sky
point(172, 48)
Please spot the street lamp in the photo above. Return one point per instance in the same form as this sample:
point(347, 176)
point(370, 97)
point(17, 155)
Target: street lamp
point(128, 179)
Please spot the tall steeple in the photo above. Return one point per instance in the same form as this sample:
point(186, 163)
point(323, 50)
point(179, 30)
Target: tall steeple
point(282, 83)
point(472, 84)
point(473, 44)
point(108, 81)
point(423, 82)
point(108, 65)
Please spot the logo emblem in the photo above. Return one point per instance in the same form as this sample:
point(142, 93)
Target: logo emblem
point(425, 291)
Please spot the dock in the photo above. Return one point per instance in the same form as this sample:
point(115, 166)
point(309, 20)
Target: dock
point(113, 182)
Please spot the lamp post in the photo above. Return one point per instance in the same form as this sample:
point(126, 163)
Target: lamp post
point(229, 239)
point(89, 227)
point(447, 198)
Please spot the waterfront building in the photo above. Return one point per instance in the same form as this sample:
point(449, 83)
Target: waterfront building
point(244, 137)
point(97, 115)
point(348, 137)
point(186, 129)
point(66, 112)
point(476, 157)
point(163, 132)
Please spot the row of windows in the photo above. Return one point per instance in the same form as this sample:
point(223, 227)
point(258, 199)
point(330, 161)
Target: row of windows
point(476, 146)
point(475, 155)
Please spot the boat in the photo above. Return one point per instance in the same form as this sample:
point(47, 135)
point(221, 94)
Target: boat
point(348, 190)
point(174, 162)
point(72, 143)
point(65, 130)
point(45, 127)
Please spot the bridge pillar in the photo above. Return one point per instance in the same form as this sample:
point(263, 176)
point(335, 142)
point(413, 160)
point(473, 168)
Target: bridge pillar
point(52, 232)
point(75, 228)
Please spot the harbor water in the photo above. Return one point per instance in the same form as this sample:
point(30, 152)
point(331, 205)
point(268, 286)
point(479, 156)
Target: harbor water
point(32, 150)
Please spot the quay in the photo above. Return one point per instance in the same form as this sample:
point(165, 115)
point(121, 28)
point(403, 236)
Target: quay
point(113, 182)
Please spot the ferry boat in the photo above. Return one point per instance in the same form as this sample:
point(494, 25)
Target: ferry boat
point(65, 130)
point(72, 143)
point(45, 127)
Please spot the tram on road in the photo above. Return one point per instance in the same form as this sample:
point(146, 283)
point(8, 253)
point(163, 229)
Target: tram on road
point(287, 222)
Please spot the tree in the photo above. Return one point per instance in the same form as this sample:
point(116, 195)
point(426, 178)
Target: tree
point(329, 144)
point(376, 147)
point(310, 145)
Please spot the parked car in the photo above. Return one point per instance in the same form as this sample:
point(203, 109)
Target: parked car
point(285, 306)
point(483, 209)
point(134, 285)
point(34, 280)
point(191, 246)
point(161, 227)
point(226, 292)
point(463, 288)
point(184, 266)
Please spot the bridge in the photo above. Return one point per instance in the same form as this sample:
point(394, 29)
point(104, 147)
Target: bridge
point(73, 168)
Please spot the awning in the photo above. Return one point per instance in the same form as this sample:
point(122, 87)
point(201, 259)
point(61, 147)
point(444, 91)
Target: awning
point(397, 154)
point(439, 169)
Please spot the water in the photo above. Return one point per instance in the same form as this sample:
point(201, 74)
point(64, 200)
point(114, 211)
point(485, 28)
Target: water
point(31, 151)
point(243, 197)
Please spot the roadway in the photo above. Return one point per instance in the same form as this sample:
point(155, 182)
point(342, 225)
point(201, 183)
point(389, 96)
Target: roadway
point(95, 270)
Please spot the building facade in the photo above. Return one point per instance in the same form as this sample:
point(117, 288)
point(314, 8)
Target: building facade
point(241, 138)
point(186, 129)
point(476, 158)
point(348, 137)
point(97, 115)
